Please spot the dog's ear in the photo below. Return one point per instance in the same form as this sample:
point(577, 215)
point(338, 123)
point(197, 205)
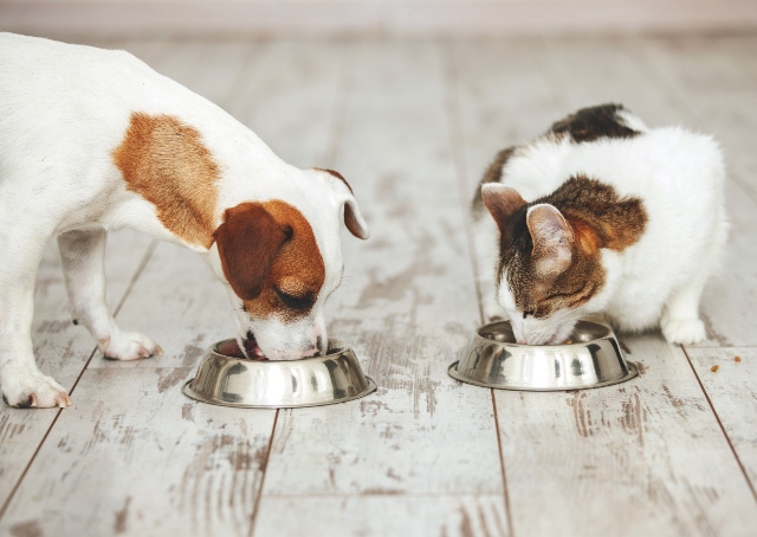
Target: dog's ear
point(353, 218)
point(248, 241)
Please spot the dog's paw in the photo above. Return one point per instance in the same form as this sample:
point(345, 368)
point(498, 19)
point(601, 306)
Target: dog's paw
point(129, 346)
point(35, 391)
point(683, 331)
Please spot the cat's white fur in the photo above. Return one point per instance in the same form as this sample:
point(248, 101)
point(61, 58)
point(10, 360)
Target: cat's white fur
point(679, 176)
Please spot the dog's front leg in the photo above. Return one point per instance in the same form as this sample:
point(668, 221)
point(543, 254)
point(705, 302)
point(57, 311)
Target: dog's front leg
point(21, 381)
point(83, 254)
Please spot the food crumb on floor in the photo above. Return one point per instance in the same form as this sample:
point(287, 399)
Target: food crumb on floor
point(715, 368)
point(737, 358)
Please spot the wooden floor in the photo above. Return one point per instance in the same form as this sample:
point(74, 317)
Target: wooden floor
point(412, 125)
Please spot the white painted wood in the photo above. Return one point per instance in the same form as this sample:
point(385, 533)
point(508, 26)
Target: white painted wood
point(291, 107)
point(134, 459)
point(642, 458)
point(732, 390)
point(383, 516)
point(407, 307)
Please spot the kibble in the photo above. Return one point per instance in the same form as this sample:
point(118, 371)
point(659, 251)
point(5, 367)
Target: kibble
point(715, 368)
point(737, 359)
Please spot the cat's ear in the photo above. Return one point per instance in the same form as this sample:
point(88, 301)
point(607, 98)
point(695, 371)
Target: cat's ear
point(502, 202)
point(553, 240)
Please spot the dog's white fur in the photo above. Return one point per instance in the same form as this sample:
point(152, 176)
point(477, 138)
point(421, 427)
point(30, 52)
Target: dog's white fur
point(679, 177)
point(63, 111)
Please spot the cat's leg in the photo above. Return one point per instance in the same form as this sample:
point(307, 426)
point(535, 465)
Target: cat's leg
point(680, 321)
point(83, 254)
point(486, 244)
point(21, 381)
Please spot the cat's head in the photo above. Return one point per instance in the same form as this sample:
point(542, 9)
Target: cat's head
point(549, 269)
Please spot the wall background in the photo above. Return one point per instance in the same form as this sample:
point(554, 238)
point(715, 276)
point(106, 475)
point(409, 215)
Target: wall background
point(206, 18)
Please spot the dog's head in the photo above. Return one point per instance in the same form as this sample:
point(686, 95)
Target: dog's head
point(283, 262)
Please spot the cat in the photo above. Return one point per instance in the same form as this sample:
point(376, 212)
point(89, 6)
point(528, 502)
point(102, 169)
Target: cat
point(601, 215)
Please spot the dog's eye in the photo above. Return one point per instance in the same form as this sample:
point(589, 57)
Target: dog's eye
point(294, 302)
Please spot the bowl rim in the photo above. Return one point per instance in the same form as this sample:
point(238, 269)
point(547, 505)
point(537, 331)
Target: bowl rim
point(609, 334)
point(632, 367)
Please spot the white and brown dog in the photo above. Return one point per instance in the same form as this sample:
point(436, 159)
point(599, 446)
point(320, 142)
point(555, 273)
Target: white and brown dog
point(94, 140)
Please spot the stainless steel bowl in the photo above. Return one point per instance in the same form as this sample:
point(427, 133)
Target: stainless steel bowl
point(232, 380)
point(494, 360)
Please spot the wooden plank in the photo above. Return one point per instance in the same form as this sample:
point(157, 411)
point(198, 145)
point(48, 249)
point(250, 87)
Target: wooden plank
point(732, 391)
point(308, 73)
point(642, 458)
point(156, 461)
point(419, 516)
point(615, 461)
point(133, 458)
point(407, 307)
point(203, 67)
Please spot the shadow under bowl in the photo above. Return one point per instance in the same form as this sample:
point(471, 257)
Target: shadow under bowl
point(233, 380)
point(593, 359)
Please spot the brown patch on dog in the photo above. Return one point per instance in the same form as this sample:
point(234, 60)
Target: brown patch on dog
point(271, 259)
point(165, 161)
point(598, 218)
point(337, 175)
point(493, 174)
point(589, 124)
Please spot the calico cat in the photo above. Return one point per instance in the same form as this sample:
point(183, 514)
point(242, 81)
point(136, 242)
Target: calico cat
point(601, 214)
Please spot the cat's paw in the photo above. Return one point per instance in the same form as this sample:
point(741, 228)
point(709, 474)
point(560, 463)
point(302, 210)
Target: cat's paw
point(683, 331)
point(129, 346)
point(34, 390)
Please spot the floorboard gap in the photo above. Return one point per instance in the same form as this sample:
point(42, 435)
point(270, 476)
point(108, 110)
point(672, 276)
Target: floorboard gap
point(720, 424)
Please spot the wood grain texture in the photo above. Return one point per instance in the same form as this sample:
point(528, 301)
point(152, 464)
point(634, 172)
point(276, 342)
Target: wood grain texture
point(135, 459)
point(382, 516)
point(732, 390)
point(624, 463)
point(407, 308)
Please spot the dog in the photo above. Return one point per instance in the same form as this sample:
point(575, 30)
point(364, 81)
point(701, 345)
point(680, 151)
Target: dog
point(94, 140)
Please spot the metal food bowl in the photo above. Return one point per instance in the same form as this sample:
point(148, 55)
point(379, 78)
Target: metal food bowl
point(226, 377)
point(592, 359)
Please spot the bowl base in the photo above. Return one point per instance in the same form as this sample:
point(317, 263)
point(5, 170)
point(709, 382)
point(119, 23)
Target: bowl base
point(189, 392)
point(633, 371)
